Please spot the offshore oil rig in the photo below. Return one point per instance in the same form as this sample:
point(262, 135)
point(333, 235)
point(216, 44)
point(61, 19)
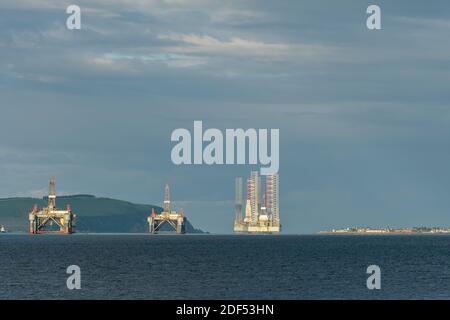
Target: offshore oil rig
point(176, 220)
point(51, 219)
point(262, 214)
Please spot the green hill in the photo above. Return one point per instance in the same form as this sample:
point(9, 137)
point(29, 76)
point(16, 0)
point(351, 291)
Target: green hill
point(93, 214)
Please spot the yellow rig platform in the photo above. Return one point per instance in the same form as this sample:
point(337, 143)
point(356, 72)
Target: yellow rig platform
point(174, 219)
point(51, 219)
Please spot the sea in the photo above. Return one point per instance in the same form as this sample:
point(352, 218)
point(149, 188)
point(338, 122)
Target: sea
point(143, 266)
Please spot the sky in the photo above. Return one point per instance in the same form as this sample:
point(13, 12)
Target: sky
point(363, 115)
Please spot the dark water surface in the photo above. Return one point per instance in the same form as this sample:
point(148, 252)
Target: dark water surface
point(224, 267)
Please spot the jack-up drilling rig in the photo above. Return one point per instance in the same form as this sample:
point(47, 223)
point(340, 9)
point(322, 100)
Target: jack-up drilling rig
point(51, 219)
point(175, 219)
point(261, 212)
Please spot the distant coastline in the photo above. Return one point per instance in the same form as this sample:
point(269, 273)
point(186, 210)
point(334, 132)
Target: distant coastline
point(367, 230)
point(95, 214)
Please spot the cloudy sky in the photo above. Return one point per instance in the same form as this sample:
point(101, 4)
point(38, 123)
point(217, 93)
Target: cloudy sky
point(363, 115)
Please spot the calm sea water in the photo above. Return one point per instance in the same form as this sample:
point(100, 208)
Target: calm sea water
point(224, 267)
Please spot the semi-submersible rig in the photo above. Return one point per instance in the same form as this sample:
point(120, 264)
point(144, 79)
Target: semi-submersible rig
point(51, 219)
point(175, 219)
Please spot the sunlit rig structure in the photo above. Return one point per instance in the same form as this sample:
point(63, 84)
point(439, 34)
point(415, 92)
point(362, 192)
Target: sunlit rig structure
point(51, 219)
point(261, 212)
point(175, 219)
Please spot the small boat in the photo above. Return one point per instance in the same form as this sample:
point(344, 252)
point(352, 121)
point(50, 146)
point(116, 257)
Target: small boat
point(2, 229)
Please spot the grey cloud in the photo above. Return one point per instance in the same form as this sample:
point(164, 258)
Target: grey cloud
point(363, 116)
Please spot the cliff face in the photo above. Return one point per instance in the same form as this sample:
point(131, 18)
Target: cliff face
point(93, 214)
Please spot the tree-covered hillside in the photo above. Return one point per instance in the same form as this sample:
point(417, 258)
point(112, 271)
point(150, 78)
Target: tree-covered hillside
point(93, 214)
